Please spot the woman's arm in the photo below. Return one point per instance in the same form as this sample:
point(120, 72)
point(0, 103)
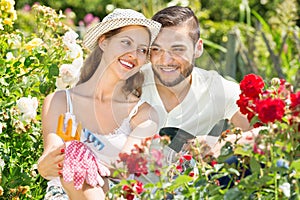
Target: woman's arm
point(50, 163)
point(144, 125)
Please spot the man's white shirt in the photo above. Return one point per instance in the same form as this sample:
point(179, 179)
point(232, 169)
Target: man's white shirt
point(210, 99)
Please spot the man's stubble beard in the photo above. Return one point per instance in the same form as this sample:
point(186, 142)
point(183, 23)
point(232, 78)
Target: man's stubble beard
point(182, 76)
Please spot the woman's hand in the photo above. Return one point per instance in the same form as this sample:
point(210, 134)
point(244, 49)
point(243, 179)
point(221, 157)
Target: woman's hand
point(81, 166)
point(51, 162)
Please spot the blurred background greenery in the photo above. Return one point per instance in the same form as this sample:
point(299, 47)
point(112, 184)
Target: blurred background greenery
point(240, 36)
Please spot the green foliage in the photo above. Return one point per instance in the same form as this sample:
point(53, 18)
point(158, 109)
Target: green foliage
point(30, 60)
point(254, 44)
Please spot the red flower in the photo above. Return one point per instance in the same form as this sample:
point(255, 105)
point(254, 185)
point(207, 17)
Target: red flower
point(213, 163)
point(295, 102)
point(131, 190)
point(252, 85)
point(138, 187)
point(179, 168)
point(135, 163)
point(128, 192)
point(192, 174)
point(157, 172)
point(246, 105)
point(257, 124)
point(270, 110)
point(187, 157)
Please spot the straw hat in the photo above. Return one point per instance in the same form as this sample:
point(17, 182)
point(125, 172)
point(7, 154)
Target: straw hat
point(117, 19)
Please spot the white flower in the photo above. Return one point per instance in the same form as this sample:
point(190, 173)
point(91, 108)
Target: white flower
point(75, 51)
point(69, 74)
point(286, 189)
point(35, 42)
point(9, 56)
point(2, 163)
point(60, 85)
point(1, 127)
point(15, 41)
point(69, 38)
point(27, 107)
point(78, 62)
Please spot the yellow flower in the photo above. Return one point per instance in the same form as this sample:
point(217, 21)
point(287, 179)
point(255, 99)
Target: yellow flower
point(1, 25)
point(1, 191)
point(23, 189)
point(33, 43)
point(8, 21)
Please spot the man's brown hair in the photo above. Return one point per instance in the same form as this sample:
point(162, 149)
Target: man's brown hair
point(177, 16)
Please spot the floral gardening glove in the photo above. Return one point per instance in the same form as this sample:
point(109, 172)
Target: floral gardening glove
point(81, 165)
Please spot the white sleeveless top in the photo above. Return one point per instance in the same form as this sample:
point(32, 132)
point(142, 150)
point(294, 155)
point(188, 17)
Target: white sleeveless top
point(106, 147)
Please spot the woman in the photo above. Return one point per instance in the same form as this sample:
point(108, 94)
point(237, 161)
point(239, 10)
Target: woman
point(105, 101)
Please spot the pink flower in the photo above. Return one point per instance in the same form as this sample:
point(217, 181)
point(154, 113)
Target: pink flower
point(88, 18)
point(158, 156)
point(257, 150)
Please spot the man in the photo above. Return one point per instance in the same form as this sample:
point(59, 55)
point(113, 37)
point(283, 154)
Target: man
point(186, 96)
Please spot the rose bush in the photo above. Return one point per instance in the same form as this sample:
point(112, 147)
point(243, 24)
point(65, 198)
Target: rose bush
point(32, 64)
point(267, 169)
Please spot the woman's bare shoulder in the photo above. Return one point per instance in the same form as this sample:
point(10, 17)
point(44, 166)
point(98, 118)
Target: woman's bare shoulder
point(55, 100)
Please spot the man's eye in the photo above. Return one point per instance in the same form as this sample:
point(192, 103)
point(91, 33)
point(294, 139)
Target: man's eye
point(155, 49)
point(178, 50)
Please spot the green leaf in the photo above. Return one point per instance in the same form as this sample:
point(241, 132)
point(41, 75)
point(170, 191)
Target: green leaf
point(233, 194)
point(180, 180)
point(45, 88)
point(242, 151)
point(254, 165)
point(234, 171)
point(16, 64)
point(296, 165)
point(28, 62)
point(53, 70)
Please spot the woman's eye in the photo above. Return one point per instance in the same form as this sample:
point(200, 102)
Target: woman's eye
point(126, 42)
point(142, 50)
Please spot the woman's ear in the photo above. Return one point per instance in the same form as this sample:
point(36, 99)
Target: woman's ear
point(199, 48)
point(102, 42)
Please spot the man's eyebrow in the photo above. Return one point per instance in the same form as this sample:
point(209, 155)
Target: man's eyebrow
point(172, 46)
point(155, 45)
point(178, 45)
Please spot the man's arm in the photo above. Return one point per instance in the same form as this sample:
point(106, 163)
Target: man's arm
point(247, 136)
point(240, 121)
